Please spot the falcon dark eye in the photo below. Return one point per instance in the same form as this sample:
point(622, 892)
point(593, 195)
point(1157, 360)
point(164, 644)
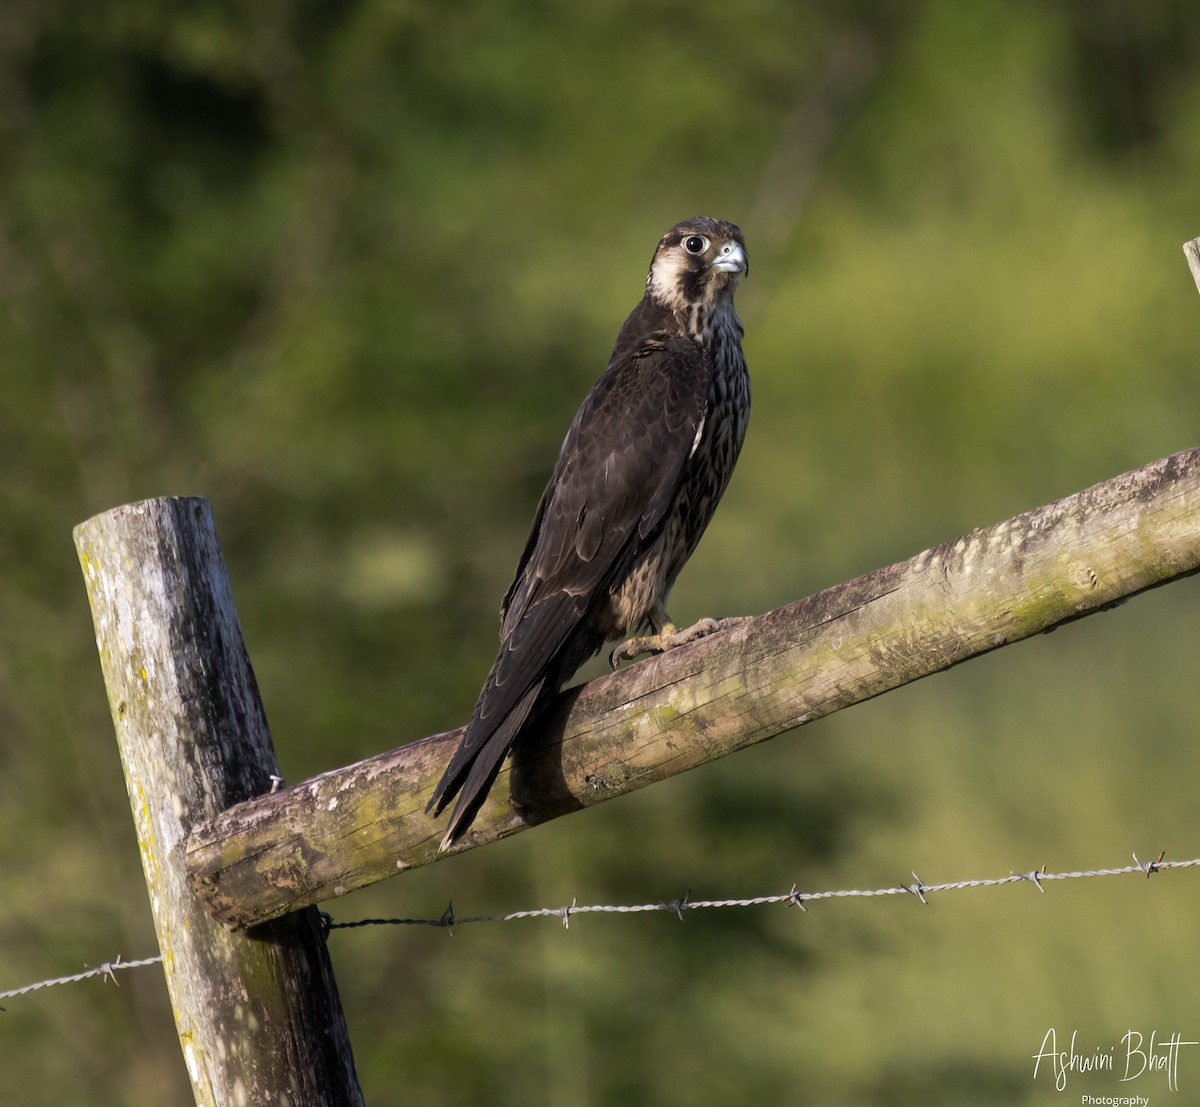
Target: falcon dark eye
point(695, 244)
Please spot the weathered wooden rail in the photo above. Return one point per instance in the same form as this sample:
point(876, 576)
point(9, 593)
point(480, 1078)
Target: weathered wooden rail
point(353, 826)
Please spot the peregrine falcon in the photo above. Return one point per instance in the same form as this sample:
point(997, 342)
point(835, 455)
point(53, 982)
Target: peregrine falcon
point(637, 480)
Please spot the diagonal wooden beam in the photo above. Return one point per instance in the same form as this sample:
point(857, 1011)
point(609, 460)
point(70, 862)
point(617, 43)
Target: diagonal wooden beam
point(351, 827)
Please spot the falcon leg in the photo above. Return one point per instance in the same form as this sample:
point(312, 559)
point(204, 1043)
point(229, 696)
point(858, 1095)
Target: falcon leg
point(667, 635)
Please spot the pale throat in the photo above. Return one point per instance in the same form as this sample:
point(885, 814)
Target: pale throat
point(701, 320)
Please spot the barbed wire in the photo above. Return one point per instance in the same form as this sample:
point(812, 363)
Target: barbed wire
point(792, 898)
point(108, 969)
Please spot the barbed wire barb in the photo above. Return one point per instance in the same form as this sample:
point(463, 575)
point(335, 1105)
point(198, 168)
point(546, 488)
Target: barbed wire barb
point(1149, 867)
point(917, 889)
point(1034, 878)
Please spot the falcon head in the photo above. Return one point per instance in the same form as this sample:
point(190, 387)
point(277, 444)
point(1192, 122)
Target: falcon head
point(697, 263)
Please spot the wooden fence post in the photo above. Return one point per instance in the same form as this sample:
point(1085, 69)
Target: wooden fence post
point(258, 1014)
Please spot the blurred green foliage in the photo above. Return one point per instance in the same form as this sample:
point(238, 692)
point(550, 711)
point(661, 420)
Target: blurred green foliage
point(348, 268)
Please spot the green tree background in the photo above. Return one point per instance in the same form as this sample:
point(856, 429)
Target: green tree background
point(348, 268)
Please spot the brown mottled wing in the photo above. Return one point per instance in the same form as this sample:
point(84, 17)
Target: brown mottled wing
point(617, 475)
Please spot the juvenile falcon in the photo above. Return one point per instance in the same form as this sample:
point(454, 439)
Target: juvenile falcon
point(637, 480)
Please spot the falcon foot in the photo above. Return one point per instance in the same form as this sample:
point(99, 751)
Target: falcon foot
point(669, 636)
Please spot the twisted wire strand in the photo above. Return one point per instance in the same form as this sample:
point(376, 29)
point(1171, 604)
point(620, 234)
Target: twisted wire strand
point(792, 898)
point(109, 969)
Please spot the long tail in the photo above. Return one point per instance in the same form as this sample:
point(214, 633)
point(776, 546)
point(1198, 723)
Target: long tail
point(473, 768)
point(532, 660)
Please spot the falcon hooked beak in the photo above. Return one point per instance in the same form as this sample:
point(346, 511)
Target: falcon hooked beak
point(731, 258)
